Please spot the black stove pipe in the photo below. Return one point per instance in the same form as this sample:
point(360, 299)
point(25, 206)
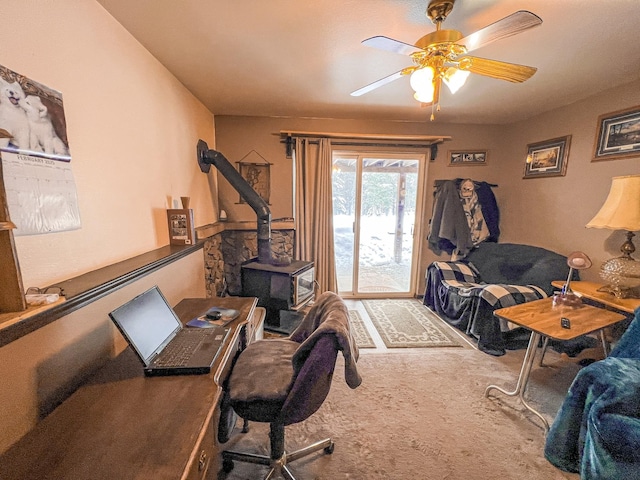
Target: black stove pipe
point(206, 158)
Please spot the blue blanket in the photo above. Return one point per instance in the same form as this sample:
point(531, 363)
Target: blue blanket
point(597, 430)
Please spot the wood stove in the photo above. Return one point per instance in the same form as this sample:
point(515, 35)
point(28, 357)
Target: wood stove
point(280, 284)
point(280, 289)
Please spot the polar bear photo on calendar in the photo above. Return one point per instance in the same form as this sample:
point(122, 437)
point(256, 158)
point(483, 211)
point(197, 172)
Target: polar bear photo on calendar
point(31, 118)
point(43, 137)
point(13, 117)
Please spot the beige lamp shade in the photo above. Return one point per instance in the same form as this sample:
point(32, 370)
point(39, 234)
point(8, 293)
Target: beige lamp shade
point(621, 209)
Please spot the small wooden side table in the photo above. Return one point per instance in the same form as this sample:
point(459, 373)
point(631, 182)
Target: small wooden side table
point(590, 290)
point(543, 319)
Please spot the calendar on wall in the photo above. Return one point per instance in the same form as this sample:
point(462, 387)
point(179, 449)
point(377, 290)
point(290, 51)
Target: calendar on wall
point(39, 187)
point(41, 194)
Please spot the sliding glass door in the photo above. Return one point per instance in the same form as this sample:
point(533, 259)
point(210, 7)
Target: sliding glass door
point(375, 206)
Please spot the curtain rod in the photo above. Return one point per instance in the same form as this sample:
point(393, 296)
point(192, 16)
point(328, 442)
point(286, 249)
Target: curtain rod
point(370, 144)
point(438, 183)
point(367, 136)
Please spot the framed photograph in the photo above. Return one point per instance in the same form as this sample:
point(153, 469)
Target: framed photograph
point(181, 226)
point(548, 158)
point(467, 157)
point(618, 135)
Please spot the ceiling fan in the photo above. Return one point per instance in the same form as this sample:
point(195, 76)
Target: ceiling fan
point(441, 56)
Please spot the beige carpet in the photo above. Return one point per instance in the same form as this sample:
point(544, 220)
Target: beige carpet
point(359, 331)
point(422, 414)
point(405, 323)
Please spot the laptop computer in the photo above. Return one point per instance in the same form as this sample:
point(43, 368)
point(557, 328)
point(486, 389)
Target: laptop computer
point(161, 342)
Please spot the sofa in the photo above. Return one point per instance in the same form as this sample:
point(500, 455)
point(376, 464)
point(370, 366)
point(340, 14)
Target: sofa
point(596, 432)
point(466, 292)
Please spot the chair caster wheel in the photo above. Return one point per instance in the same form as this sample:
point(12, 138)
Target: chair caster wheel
point(227, 465)
point(330, 448)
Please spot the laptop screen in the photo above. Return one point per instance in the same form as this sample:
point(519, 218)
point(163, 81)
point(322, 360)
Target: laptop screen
point(147, 321)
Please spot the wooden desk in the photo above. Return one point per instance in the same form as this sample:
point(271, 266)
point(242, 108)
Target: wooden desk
point(123, 425)
point(543, 319)
point(590, 290)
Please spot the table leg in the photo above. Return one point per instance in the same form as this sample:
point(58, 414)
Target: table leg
point(523, 378)
point(545, 345)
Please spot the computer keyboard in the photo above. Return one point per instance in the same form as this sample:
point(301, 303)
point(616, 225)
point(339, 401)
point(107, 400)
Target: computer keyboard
point(179, 351)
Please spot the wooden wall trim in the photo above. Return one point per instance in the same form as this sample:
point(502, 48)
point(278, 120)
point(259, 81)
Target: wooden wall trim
point(89, 287)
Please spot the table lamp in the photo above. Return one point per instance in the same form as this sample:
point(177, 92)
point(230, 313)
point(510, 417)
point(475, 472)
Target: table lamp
point(575, 261)
point(621, 211)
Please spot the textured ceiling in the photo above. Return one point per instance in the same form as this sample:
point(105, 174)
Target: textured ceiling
point(303, 58)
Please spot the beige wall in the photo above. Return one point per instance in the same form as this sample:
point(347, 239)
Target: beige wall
point(552, 212)
point(237, 136)
point(546, 212)
point(133, 130)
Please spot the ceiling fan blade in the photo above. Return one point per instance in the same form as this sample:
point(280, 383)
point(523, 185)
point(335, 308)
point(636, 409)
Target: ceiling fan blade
point(511, 72)
point(513, 24)
point(391, 45)
point(379, 83)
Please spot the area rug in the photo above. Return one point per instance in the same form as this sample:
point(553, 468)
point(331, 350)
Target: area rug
point(404, 323)
point(422, 414)
point(359, 331)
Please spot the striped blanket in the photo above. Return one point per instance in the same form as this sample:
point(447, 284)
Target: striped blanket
point(464, 279)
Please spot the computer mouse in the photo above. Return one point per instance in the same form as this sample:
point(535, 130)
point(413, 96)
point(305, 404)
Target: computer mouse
point(214, 315)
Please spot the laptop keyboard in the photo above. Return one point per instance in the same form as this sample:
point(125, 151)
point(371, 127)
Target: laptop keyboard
point(179, 351)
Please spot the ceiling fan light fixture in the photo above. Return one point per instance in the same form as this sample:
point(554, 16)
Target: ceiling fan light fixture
point(455, 79)
point(424, 96)
point(441, 56)
point(421, 81)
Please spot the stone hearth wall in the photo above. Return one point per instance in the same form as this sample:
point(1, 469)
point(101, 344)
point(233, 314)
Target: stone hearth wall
point(225, 253)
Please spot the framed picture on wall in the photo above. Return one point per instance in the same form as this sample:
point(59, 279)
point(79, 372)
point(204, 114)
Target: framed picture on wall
point(548, 158)
point(467, 157)
point(618, 135)
point(258, 175)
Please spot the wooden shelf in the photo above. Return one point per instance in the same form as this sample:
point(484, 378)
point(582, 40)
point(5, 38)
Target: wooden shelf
point(248, 225)
point(8, 319)
point(85, 289)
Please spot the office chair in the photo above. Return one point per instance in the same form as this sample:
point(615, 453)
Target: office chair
point(283, 381)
